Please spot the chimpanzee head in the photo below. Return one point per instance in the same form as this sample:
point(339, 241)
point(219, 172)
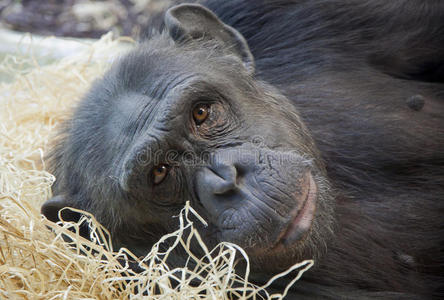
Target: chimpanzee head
point(182, 117)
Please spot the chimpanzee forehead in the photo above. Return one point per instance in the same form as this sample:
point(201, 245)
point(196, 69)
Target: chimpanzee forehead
point(149, 64)
point(145, 66)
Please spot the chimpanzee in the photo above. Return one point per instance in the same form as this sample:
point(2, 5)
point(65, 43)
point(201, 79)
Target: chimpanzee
point(298, 129)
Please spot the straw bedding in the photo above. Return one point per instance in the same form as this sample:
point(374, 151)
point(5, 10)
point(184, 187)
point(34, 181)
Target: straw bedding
point(38, 263)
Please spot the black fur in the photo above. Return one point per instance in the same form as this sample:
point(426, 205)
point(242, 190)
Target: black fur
point(367, 78)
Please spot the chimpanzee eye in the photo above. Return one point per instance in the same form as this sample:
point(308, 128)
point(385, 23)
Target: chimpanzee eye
point(200, 113)
point(159, 173)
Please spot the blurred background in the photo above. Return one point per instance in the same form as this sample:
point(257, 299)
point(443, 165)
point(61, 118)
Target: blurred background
point(36, 33)
point(78, 18)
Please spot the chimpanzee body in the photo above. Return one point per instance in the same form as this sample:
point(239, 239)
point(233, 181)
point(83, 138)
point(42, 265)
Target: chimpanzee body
point(367, 80)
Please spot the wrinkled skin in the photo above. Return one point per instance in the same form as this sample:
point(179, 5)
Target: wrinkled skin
point(292, 140)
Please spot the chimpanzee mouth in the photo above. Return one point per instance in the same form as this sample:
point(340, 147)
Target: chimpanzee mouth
point(302, 216)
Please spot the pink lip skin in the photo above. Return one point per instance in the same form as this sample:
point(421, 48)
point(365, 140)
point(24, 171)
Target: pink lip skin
point(303, 216)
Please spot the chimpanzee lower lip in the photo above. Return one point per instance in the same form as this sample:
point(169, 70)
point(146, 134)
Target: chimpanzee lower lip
point(303, 216)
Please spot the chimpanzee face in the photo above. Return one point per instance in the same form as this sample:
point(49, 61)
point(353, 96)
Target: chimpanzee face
point(182, 118)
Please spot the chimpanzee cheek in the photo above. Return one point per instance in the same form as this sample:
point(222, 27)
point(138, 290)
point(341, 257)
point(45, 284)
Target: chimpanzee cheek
point(280, 176)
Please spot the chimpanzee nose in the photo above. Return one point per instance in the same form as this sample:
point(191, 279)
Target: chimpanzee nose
point(219, 182)
point(222, 184)
point(223, 180)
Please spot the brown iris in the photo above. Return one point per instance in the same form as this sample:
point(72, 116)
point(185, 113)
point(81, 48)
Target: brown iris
point(200, 113)
point(160, 172)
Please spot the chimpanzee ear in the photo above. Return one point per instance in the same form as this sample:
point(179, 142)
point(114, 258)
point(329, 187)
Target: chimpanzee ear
point(193, 21)
point(50, 209)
